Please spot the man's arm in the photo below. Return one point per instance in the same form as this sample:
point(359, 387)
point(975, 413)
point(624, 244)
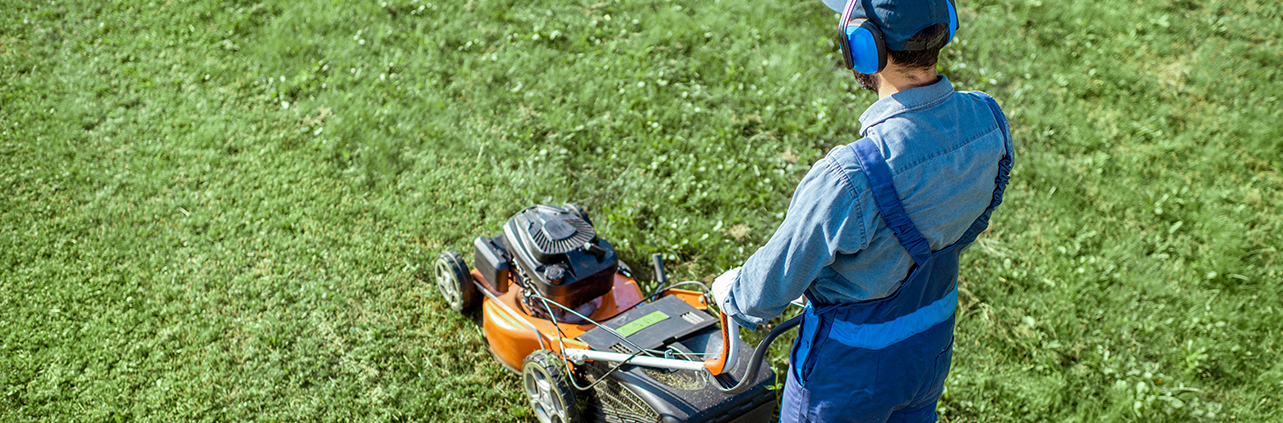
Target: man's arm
point(822, 218)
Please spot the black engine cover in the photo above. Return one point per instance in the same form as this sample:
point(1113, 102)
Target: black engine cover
point(557, 251)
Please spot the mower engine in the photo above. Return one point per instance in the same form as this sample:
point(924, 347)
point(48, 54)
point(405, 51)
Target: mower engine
point(556, 252)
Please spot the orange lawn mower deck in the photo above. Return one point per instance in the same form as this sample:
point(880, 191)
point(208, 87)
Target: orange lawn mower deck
point(561, 309)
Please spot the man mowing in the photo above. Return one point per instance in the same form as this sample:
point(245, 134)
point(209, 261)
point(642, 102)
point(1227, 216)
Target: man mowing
point(874, 231)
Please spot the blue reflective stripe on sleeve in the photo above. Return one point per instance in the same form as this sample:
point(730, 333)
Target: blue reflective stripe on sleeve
point(876, 336)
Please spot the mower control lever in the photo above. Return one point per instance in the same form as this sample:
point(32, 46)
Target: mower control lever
point(722, 363)
point(658, 260)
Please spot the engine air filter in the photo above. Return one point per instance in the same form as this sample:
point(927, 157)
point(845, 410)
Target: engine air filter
point(552, 230)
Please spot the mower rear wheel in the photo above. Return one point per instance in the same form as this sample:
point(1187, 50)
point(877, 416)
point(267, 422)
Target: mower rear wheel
point(544, 378)
point(455, 282)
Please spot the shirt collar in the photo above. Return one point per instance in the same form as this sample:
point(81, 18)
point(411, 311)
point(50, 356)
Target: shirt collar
point(903, 101)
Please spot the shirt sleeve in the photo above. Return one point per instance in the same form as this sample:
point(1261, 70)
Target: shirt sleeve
point(822, 219)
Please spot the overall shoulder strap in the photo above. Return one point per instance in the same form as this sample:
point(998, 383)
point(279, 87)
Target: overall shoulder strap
point(1000, 182)
point(875, 168)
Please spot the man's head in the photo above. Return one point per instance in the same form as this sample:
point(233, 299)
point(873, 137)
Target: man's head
point(911, 64)
point(887, 38)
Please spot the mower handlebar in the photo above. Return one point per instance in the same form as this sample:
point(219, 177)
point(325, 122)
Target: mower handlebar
point(730, 350)
point(718, 365)
point(759, 355)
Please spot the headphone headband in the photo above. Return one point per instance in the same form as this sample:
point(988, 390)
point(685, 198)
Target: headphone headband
point(844, 41)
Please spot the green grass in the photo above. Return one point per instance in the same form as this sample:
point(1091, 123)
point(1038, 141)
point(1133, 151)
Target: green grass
point(223, 211)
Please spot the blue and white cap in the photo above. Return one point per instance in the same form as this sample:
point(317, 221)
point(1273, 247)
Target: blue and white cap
point(900, 19)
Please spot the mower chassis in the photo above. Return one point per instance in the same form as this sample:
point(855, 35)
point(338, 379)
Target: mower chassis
point(512, 335)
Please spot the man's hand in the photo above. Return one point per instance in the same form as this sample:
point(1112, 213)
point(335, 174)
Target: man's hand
point(722, 287)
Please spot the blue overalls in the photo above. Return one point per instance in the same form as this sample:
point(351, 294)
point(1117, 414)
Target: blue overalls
point(886, 359)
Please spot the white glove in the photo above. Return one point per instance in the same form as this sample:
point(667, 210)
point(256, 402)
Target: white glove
point(722, 287)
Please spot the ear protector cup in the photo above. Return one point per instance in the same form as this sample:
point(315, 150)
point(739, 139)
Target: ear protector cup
point(863, 48)
point(866, 52)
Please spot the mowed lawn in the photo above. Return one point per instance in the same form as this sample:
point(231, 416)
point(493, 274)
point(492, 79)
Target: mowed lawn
point(224, 211)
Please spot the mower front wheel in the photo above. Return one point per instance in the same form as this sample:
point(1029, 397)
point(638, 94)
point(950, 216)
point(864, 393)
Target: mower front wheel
point(544, 378)
point(455, 282)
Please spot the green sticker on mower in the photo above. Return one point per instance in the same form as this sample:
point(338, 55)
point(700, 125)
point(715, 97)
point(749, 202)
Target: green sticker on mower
point(642, 323)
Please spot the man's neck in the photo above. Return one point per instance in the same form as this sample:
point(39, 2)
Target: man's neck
point(894, 80)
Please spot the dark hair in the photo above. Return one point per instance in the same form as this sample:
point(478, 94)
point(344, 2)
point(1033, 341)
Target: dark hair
point(922, 59)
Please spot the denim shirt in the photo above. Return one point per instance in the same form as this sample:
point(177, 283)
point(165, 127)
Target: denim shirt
point(943, 149)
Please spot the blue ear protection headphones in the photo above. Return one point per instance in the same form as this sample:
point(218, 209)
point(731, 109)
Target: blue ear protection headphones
point(863, 48)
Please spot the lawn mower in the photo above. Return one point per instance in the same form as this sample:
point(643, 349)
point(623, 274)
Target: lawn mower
point(560, 309)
